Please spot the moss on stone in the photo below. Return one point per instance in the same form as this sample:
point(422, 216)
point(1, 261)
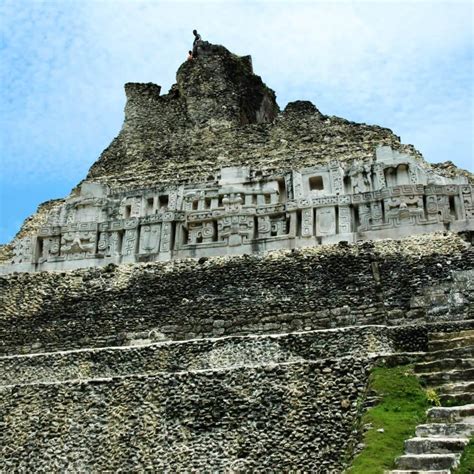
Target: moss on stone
point(402, 407)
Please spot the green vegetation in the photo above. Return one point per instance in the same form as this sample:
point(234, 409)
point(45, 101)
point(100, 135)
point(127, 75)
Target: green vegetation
point(402, 406)
point(433, 397)
point(467, 460)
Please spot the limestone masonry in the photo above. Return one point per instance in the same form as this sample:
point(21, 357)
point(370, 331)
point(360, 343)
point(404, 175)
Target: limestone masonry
point(212, 168)
point(214, 295)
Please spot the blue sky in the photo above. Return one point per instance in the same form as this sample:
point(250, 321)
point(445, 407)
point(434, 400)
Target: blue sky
point(403, 65)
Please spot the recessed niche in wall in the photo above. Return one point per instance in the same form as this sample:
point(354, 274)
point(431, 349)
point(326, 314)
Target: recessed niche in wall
point(163, 200)
point(150, 204)
point(316, 183)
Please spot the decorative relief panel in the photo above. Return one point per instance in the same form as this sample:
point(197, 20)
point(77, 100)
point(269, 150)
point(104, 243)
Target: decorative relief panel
point(468, 201)
point(173, 200)
point(103, 244)
point(278, 226)
point(404, 210)
point(50, 248)
point(365, 216)
point(376, 213)
point(236, 229)
point(307, 222)
point(413, 174)
point(437, 208)
point(115, 244)
point(202, 232)
point(289, 186)
point(297, 185)
point(165, 238)
point(323, 201)
point(336, 173)
point(360, 177)
point(345, 220)
point(77, 245)
point(379, 176)
point(264, 227)
point(23, 250)
point(325, 221)
point(150, 238)
point(129, 242)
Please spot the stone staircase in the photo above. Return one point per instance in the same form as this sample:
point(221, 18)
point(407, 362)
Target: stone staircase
point(448, 368)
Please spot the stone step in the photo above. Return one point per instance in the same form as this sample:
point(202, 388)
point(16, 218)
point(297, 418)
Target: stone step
point(440, 344)
point(440, 378)
point(456, 387)
point(451, 413)
point(466, 352)
point(435, 445)
point(411, 471)
point(428, 462)
point(455, 430)
point(451, 335)
point(456, 398)
point(444, 364)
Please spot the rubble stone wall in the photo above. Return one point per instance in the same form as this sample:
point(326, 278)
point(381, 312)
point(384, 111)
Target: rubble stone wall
point(387, 282)
point(297, 416)
point(219, 353)
point(197, 354)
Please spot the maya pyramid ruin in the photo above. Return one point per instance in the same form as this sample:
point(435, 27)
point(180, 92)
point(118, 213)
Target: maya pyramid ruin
point(213, 296)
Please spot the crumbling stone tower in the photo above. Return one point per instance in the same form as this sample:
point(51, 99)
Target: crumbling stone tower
point(214, 294)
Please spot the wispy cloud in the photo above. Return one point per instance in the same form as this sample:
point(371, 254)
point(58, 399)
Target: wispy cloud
point(405, 65)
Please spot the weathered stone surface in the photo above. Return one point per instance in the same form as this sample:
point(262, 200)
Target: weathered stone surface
point(280, 417)
point(313, 288)
point(383, 343)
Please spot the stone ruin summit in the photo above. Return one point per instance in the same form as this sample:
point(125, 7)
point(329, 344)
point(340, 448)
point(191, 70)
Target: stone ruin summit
point(213, 296)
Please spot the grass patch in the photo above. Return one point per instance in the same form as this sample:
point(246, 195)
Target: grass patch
point(467, 460)
point(402, 407)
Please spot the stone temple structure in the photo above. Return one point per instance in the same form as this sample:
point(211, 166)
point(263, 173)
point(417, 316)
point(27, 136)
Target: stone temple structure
point(213, 296)
point(180, 180)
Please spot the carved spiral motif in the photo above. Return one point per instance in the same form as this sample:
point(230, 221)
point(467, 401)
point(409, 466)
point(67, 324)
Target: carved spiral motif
point(54, 248)
point(207, 231)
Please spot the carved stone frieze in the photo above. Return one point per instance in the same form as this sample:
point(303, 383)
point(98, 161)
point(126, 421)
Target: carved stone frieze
point(246, 211)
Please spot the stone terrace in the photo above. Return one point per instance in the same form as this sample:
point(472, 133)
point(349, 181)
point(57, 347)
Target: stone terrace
point(388, 282)
point(273, 394)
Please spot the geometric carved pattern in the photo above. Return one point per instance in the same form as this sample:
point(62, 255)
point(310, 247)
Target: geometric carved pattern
point(305, 205)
